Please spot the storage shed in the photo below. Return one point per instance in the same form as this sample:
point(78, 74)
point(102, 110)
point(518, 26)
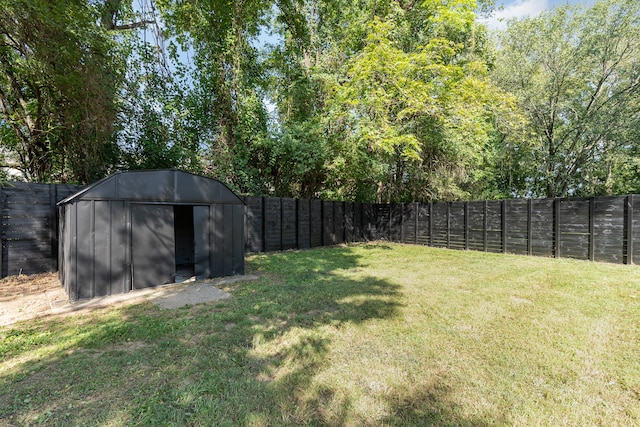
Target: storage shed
point(134, 230)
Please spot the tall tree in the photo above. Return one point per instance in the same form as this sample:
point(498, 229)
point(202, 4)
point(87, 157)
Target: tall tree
point(58, 79)
point(225, 104)
point(575, 73)
point(416, 103)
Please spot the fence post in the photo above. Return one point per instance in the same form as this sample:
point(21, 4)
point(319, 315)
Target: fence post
point(448, 225)
point(389, 222)
point(592, 215)
point(344, 222)
point(310, 221)
point(1, 230)
point(297, 202)
point(264, 225)
point(485, 225)
point(53, 235)
point(630, 229)
point(530, 227)
point(466, 226)
point(402, 223)
point(503, 225)
point(416, 206)
point(430, 223)
point(281, 224)
point(556, 214)
point(322, 243)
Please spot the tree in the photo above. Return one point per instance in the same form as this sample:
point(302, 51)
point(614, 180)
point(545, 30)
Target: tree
point(415, 105)
point(224, 106)
point(59, 73)
point(575, 74)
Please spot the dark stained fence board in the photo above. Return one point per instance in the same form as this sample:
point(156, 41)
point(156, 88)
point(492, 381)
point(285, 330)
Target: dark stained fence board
point(289, 224)
point(635, 221)
point(328, 231)
point(273, 224)
point(315, 223)
point(457, 223)
point(358, 227)
point(254, 223)
point(440, 224)
point(494, 226)
point(383, 221)
point(29, 226)
point(349, 225)
point(476, 225)
point(304, 228)
point(395, 223)
point(609, 229)
point(574, 228)
point(423, 224)
point(370, 221)
point(409, 216)
point(338, 224)
point(517, 225)
point(542, 227)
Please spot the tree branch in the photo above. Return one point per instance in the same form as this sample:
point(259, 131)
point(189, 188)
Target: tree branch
point(131, 26)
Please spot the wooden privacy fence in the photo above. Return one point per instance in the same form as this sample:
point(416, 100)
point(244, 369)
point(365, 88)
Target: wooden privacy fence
point(598, 228)
point(30, 226)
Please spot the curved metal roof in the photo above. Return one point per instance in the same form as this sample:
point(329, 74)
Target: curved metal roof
point(160, 186)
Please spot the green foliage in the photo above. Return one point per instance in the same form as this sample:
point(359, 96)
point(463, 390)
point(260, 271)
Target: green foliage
point(368, 100)
point(225, 111)
point(418, 105)
point(59, 73)
point(575, 74)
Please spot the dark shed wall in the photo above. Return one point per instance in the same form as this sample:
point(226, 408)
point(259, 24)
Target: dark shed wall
point(94, 245)
point(104, 240)
point(227, 240)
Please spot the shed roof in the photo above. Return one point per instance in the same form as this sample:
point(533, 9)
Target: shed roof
point(167, 185)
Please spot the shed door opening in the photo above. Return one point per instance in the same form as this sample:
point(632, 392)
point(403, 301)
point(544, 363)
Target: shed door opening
point(185, 243)
point(153, 245)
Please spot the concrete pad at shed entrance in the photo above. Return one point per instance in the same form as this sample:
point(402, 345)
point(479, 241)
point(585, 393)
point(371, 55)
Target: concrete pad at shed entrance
point(182, 294)
point(173, 295)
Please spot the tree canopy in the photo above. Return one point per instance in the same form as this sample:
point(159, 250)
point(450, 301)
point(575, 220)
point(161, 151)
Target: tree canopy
point(368, 100)
point(576, 77)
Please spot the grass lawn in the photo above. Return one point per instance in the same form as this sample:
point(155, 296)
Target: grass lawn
point(376, 334)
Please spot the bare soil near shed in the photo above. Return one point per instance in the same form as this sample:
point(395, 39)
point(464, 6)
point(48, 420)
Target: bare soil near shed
point(28, 296)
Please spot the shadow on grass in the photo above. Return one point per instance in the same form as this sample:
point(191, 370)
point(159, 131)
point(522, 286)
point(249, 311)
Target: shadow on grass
point(251, 360)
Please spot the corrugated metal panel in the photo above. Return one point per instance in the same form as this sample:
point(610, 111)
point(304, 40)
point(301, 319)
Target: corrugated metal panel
point(119, 243)
point(217, 241)
point(153, 245)
point(102, 248)
point(237, 243)
point(85, 256)
point(144, 185)
point(71, 249)
point(227, 220)
point(202, 245)
point(169, 186)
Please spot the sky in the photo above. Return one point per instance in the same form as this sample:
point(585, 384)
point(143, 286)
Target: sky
point(508, 9)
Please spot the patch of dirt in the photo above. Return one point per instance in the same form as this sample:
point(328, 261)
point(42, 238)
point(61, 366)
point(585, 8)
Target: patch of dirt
point(25, 285)
point(29, 297)
point(26, 297)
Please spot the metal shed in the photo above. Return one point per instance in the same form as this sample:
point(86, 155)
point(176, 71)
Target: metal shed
point(134, 230)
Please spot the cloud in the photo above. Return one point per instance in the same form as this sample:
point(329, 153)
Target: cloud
point(517, 9)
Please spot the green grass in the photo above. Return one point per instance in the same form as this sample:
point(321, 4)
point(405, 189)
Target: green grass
point(379, 334)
